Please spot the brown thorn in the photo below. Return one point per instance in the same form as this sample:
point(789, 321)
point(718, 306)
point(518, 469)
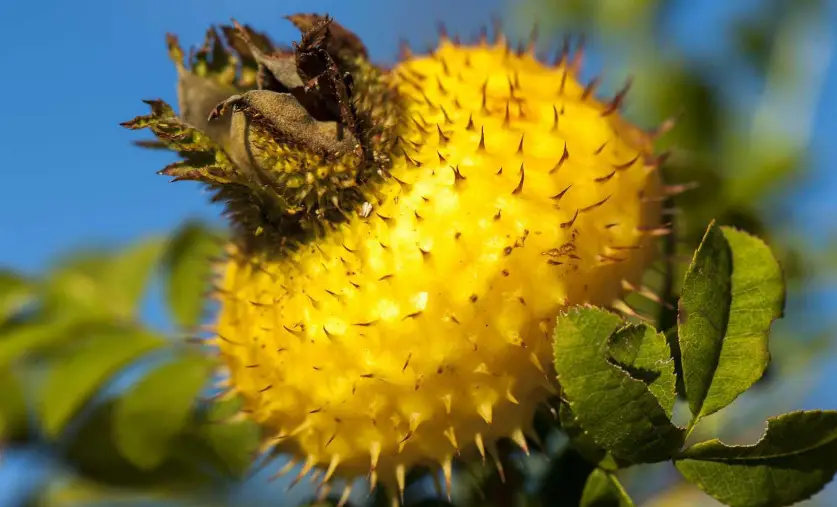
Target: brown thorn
point(457, 174)
point(590, 88)
point(655, 231)
point(559, 195)
point(533, 39)
point(607, 178)
point(659, 160)
point(554, 118)
point(448, 121)
point(623, 307)
point(292, 331)
point(564, 53)
point(564, 157)
point(578, 57)
point(616, 101)
point(481, 146)
point(483, 36)
point(442, 30)
point(520, 145)
point(404, 51)
point(673, 190)
point(497, 25)
point(445, 68)
point(443, 139)
point(227, 340)
point(519, 187)
point(418, 125)
point(564, 225)
point(626, 165)
point(666, 126)
point(412, 161)
point(596, 205)
point(653, 296)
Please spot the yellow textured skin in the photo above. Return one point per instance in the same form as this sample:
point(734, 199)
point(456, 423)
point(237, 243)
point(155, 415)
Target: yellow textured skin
point(423, 328)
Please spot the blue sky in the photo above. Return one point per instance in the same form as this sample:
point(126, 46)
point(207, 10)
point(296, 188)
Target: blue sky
point(74, 70)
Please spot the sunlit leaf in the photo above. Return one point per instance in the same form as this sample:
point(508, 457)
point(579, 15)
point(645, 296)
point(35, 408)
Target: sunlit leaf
point(578, 437)
point(107, 284)
point(604, 490)
point(232, 443)
point(732, 293)
point(15, 292)
point(127, 277)
point(78, 491)
point(156, 409)
point(188, 264)
point(90, 362)
point(13, 410)
point(27, 338)
point(618, 412)
point(644, 354)
point(94, 454)
point(796, 458)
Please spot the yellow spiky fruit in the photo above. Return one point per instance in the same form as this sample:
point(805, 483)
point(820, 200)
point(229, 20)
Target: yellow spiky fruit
point(420, 328)
point(404, 239)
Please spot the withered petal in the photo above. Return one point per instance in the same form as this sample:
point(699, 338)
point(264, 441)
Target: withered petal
point(340, 40)
point(288, 120)
point(277, 72)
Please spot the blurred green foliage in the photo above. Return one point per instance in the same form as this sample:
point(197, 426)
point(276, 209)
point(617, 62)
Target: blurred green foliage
point(67, 337)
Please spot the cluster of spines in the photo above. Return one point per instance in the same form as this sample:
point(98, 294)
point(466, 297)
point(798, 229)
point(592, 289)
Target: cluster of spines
point(571, 63)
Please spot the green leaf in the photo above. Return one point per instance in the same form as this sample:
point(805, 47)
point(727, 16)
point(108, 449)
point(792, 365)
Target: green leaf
point(103, 284)
point(94, 454)
point(156, 409)
point(189, 269)
point(643, 352)
point(76, 491)
point(15, 292)
point(88, 364)
point(579, 439)
point(31, 337)
point(130, 273)
point(732, 292)
point(233, 445)
point(584, 444)
point(604, 490)
point(13, 411)
point(796, 458)
point(618, 412)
